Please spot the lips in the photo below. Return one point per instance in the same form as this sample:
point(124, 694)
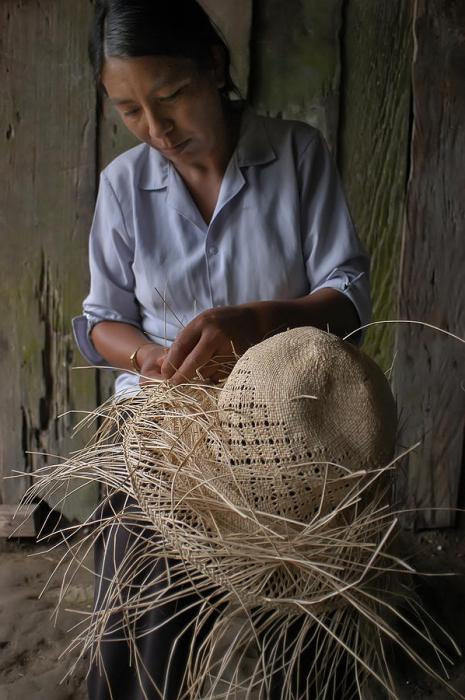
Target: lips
point(175, 149)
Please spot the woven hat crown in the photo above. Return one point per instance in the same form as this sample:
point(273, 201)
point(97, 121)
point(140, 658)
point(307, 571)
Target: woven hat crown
point(238, 474)
point(305, 395)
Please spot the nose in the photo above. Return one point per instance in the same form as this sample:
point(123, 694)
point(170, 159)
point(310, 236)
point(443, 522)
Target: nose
point(159, 125)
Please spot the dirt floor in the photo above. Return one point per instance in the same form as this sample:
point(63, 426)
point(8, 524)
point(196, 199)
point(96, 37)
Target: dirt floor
point(436, 553)
point(31, 643)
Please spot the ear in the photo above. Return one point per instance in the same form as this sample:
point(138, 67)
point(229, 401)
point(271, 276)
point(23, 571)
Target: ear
point(218, 65)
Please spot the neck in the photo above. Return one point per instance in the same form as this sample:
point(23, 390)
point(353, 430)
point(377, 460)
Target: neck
point(214, 164)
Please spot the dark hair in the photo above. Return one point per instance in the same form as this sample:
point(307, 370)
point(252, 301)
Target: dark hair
point(130, 28)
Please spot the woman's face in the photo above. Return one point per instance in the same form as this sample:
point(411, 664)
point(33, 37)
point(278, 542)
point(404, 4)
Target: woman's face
point(168, 103)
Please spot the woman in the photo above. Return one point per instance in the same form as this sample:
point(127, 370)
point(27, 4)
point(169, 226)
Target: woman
point(220, 229)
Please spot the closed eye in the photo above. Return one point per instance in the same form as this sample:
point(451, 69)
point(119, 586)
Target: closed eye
point(131, 112)
point(169, 98)
point(166, 98)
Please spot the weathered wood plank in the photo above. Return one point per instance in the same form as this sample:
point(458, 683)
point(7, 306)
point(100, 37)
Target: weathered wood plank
point(47, 171)
point(17, 521)
point(295, 61)
point(430, 367)
point(377, 50)
point(234, 19)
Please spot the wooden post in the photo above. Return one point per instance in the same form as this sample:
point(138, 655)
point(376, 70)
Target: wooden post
point(17, 521)
point(47, 171)
point(430, 367)
point(373, 154)
point(234, 19)
point(295, 61)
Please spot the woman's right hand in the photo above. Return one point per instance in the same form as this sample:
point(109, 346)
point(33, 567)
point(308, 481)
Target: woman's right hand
point(116, 342)
point(150, 359)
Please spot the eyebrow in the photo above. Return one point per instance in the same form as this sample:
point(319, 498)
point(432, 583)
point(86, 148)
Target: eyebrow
point(158, 85)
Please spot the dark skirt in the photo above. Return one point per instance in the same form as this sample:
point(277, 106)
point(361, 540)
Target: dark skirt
point(118, 671)
point(157, 677)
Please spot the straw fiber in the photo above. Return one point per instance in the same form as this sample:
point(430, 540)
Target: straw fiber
point(270, 495)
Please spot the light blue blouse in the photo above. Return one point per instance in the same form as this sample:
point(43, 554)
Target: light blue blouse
point(281, 229)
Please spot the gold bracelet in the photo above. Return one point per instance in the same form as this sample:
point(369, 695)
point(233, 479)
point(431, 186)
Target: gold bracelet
point(133, 357)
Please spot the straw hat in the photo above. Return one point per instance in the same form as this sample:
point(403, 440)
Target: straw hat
point(276, 452)
point(271, 490)
point(308, 396)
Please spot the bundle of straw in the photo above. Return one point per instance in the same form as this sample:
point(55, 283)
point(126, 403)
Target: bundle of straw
point(270, 496)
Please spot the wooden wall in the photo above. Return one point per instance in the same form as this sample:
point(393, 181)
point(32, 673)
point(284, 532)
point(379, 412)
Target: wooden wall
point(430, 369)
point(374, 144)
point(382, 80)
point(48, 171)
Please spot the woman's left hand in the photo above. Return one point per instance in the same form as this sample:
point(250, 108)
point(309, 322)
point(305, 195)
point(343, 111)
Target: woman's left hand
point(222, 334)
point(214, 337)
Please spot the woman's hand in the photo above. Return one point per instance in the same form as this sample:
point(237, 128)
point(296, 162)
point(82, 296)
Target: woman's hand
point(221, 334)
point(150, 358)
point(214, 337)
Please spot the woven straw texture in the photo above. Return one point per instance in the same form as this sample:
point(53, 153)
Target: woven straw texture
point(300, 414)
point(272, 492)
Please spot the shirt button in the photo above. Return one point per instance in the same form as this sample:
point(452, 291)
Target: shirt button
point(212, 250)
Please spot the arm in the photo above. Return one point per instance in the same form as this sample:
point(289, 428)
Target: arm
point(116, 342)
point(326, 308)
point(334, 256)
point(224, 331)
point(113, 328)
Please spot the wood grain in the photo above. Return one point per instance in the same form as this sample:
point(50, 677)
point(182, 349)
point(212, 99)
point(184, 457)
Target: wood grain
point(234, 20)
point(17, 521)
point(430, 367)
point(295, 62)
point(374, 135)
point(47, 168)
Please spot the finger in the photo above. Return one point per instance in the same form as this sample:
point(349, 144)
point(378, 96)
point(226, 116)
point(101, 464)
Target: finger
point(215, 369)
point(195, 360)
point(161, 359)
point(151, 366)
point(180, 350)
point(149, 377)
point(218, 365)
point(144, 381)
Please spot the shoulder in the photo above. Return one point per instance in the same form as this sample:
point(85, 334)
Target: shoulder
point(126, 171)
point(290, 135)
point(119, 187)
point(286, 142)
point(282, 131)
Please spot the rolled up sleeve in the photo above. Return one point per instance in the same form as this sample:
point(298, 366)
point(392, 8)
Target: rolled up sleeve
point(334, 255)
point(112, 284)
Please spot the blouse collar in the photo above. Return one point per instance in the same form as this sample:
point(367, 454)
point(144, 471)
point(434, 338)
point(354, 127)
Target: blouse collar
point(253, 148)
